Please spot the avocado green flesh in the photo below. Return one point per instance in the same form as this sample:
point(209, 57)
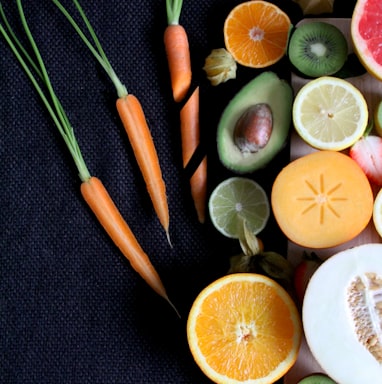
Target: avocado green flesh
point(265, 88)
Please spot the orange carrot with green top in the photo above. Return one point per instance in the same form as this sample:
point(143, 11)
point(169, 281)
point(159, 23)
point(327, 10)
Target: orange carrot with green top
point(190, 136)
point(177, 51)
point(92, 189)
point(133, 120)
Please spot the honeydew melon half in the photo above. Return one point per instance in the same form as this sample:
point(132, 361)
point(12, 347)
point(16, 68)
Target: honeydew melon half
point(342, 315)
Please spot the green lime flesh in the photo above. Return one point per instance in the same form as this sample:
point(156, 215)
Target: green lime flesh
point(238, 202)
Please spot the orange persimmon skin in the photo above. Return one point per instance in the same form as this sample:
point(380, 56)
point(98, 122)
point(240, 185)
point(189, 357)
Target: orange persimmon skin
point(178, 58)
point(322, 200)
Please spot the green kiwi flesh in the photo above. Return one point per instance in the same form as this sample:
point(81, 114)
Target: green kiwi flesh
point(317, 49)
point(316, 378)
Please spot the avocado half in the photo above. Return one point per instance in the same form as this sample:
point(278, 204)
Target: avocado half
point(265, 88)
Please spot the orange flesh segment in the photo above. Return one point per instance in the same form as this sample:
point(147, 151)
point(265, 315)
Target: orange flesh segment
point(256, 33)
point(245, 329)
point(322, 200)
point(274, 331)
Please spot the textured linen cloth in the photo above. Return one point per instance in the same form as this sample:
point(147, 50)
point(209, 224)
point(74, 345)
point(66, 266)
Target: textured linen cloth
point(72, 310)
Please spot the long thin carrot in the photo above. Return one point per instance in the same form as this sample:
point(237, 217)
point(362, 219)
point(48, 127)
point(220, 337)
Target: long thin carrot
point(133, 120)
point(100, 202)
point(130, 111)
point(177, 51)
point(190, 136)
point(92, 189)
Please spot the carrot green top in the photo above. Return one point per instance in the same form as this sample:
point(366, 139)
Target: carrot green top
point(95, 49)
point(35, 70)
point(173, 9)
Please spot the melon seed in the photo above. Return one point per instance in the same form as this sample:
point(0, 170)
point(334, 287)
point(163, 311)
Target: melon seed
point(365, 299)
point(254, 127)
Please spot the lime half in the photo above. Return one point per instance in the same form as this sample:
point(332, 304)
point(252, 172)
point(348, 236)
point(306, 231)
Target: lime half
point(236, 201)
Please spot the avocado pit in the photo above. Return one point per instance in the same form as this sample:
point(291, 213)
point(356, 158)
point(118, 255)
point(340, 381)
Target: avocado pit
point(253, 128)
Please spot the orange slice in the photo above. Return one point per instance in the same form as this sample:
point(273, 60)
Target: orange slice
point(256, 33)
point(322, 199)
point(366, 33)
point(244, 328)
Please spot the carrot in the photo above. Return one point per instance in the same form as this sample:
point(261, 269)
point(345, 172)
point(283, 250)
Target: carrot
point(92, 189)
point(177, 51)
point(133, 120)
point(189, 124)
point(100, 202)
point(179, 61)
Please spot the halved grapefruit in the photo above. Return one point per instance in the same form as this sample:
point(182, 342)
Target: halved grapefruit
point(366, 33)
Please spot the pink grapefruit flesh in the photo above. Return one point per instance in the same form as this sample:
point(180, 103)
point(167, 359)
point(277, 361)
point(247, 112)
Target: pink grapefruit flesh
point(366, 32)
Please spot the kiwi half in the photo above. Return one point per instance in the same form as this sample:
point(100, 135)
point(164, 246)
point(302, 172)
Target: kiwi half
point(317, 49)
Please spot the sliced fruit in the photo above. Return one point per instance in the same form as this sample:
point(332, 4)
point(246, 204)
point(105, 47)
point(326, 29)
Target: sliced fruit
point(244, 328)
point(265, 89)
point(367, 153)
point(378, 119)
point(377, 213)
point(330, 113)
point(236, 202)
point(342, 315)
point(322, 199)
point(256, 33)
point(317, 378)
point(317, 49)
point(366, 35)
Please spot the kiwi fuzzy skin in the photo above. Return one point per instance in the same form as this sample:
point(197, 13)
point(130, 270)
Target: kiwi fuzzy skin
point(317, 49)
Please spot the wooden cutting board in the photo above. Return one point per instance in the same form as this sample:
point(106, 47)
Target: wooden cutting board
point(372, 90)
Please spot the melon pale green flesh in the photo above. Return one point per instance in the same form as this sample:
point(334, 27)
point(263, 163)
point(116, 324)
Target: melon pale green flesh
point(328, 321)
point(264, 88)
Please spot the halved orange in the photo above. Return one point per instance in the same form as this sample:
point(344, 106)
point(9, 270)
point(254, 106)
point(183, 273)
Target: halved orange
point(256, 33)
point(244, 327)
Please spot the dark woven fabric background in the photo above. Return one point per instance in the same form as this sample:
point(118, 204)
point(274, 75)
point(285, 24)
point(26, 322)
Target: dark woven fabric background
point(72, 310)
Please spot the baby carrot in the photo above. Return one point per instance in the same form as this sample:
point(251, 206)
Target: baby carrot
point(189, 126)
point(132, 116)
point(177, 51)
point(133, 120)
point(102, 205)
point(92, 189)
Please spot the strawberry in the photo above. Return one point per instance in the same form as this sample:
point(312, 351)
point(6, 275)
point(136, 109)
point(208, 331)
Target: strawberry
point(367, 152)
point(303, 272)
